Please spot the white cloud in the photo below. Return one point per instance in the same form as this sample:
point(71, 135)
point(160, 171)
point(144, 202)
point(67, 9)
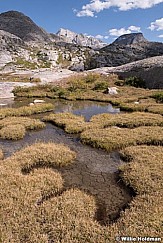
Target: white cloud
point(122, 31)
point(96, 6)
point(160, 36)
point(134, 28)
point(99, 36)
point(157, 25)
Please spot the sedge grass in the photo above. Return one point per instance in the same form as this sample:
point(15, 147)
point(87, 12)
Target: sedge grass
point(129, 120)
point(1, 154)
point(28, 215)
point(28, 123)
point(40, 155)
point(21, 194)
point(26, 110)
point(157, 108)
point(70, 122)
point(12, 132)
point(15, 128)
point(115, 138)
point(148, 160)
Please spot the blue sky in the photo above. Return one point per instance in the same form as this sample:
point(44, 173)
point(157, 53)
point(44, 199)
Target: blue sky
point(106, 19)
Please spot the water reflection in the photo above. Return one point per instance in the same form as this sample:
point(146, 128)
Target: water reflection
point(84, 108)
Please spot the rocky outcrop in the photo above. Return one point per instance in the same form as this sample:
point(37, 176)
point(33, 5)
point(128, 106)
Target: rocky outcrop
point(79, 39)
point(9, 46)
point(150, 70)
point(129, 39)
point(22, 26)
point(118, 54)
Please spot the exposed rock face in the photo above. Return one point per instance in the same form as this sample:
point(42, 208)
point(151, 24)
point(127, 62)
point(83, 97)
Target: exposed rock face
point(22, 26)
point(79, 39)
point(150, 70)
point(128, 39)
point(9, 46)
point(119, 53)
point(24, 45)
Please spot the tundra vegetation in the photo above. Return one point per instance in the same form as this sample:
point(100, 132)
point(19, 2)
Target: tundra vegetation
point(93, 86)
point(10, 77)
point(35, 206)
point(16, 127)
point(25, 110)
point(32, 189)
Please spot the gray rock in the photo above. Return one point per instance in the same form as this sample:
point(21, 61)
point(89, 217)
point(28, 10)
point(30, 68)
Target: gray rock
point(129, 39)
point(79, 39)
point(149, 69)
point(22, 26)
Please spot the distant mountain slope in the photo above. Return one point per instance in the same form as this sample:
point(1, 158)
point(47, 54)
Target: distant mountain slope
point(80, 39)
point(22, 26)
point(129, 39)
point(126, 49)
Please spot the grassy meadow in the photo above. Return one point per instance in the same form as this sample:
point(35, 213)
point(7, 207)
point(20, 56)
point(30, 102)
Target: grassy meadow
point(36, 207)
point(93, 86)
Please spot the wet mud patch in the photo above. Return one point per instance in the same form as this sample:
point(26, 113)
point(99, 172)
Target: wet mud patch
point(94, 171)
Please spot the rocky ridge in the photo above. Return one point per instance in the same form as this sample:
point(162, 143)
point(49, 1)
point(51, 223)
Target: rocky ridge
point(22, 26)
point(135, 47)
point(128, 39)
point(24, 45)
point(149, 69)
point(79, 39)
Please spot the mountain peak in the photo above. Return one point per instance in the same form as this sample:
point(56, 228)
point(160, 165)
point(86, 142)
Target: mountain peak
point(22, 26)
point(128, 39)
point(13, 14)
point(80, 39)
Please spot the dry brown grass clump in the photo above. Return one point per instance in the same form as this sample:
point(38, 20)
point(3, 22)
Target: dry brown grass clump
point(29, 215)
point(157, 108)
point(12, 132)
point(28, 123)
point(129, 120)
point(21, 195)
point(26, 110)
point(144, 173)
point(116, 138)
point(40, 154)
point(1, 154)
point(70, 122)
point(15, 128)
point(148, 160)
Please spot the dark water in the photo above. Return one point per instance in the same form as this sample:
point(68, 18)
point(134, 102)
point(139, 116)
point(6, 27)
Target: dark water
point(84, 108)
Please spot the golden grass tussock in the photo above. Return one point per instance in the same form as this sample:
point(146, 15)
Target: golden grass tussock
point(148, 160)
point(1, 154)
point(91, 86)
point(26, 110)
point(28, 123)
point(12, 132)
point(70, 122)
point(129, 120)
point(40, 155)
point(29, 215)
point(15, 128)
point(21, 195)
point(143, 172)
point(114, 138)
point(157, 108)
